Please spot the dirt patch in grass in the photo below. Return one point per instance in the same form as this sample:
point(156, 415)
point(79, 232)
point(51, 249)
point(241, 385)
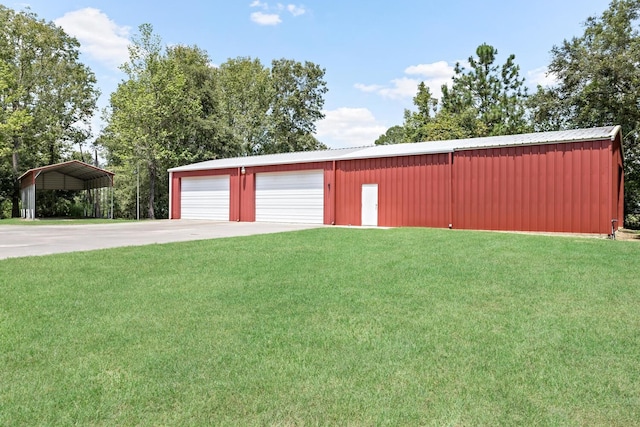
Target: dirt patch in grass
point(625, 234)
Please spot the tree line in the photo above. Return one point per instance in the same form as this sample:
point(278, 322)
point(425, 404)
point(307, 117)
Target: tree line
point(174, 107)
point(597, 83)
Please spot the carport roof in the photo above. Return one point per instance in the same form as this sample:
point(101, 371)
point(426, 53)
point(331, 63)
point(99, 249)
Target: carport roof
point(93, 176)
point(430, 147)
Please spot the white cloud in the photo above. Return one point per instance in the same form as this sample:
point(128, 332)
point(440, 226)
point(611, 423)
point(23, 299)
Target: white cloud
point(435, 70)
point(296, 10)
point(272, 17)
point(100, 37)
point(368, 88)
point(435, 75)
point(349, 127)
point(541, 76)
point(266, 18)
point(402, 88)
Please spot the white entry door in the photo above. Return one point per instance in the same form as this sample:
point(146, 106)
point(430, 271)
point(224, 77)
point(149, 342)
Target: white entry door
point(370, 204)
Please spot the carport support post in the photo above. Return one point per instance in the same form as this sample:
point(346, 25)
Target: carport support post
point(111, 213)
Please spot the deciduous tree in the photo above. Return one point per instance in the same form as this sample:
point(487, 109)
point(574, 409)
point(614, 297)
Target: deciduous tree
point(150, 113)
point(598, 84)
point(298, 97)
point(47, 96)
point(393, 135)
point(244, 96)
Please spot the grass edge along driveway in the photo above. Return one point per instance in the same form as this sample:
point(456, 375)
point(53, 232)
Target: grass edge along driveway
point(325, 326)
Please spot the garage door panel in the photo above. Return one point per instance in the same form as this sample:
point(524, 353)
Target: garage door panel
point(205, 198)
point(290, 197)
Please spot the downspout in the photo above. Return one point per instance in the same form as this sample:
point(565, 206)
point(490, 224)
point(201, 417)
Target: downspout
point(35, 177)
point(112, 189)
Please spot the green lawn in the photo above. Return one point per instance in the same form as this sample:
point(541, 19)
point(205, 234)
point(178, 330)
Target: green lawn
point(329, 326)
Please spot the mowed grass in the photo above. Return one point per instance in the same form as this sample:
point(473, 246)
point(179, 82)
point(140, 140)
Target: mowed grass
point(329, 326)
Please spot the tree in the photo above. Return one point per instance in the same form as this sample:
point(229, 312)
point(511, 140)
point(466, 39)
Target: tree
point(415, 121)
point(244, 98)
point(264, 110)
point(47, 96)
point(496, 94)
point(151, 112)
point(486, 100)
point(393, 135)
point(598, 84)
point(298, 92)
point(198, 137)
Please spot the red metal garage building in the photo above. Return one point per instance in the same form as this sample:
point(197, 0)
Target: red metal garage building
point(566, 181)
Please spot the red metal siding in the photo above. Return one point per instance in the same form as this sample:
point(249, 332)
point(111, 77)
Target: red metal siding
point(235, 181)
point(27, 180)
point(568, 187)
point(554, 187)
point(175, 197)
point(329, 193)
point(412, 190)
point(248, 200)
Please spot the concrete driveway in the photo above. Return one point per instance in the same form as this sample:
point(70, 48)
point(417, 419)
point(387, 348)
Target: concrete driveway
point(28, 240)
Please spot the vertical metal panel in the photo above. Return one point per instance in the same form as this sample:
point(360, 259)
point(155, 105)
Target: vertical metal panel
point(247, 195)
point(594, 178)
point(617, 181)
point(170, 195)
point(330, 188)
point(412, 190)
point(235, 204)
point(175, 196)
point(28, 198)
point(555, 187)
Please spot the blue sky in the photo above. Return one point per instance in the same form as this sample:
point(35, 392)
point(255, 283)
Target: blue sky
point(375, 53)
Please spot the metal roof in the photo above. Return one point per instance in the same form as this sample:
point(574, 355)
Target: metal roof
point(430, 147)
point(93, 176)
point(269, 159)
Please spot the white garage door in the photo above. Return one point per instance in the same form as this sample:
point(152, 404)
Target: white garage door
point(205, 197)
point(290, 197)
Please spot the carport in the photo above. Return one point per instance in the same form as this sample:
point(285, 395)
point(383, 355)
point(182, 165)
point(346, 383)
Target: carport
point(71, 175)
